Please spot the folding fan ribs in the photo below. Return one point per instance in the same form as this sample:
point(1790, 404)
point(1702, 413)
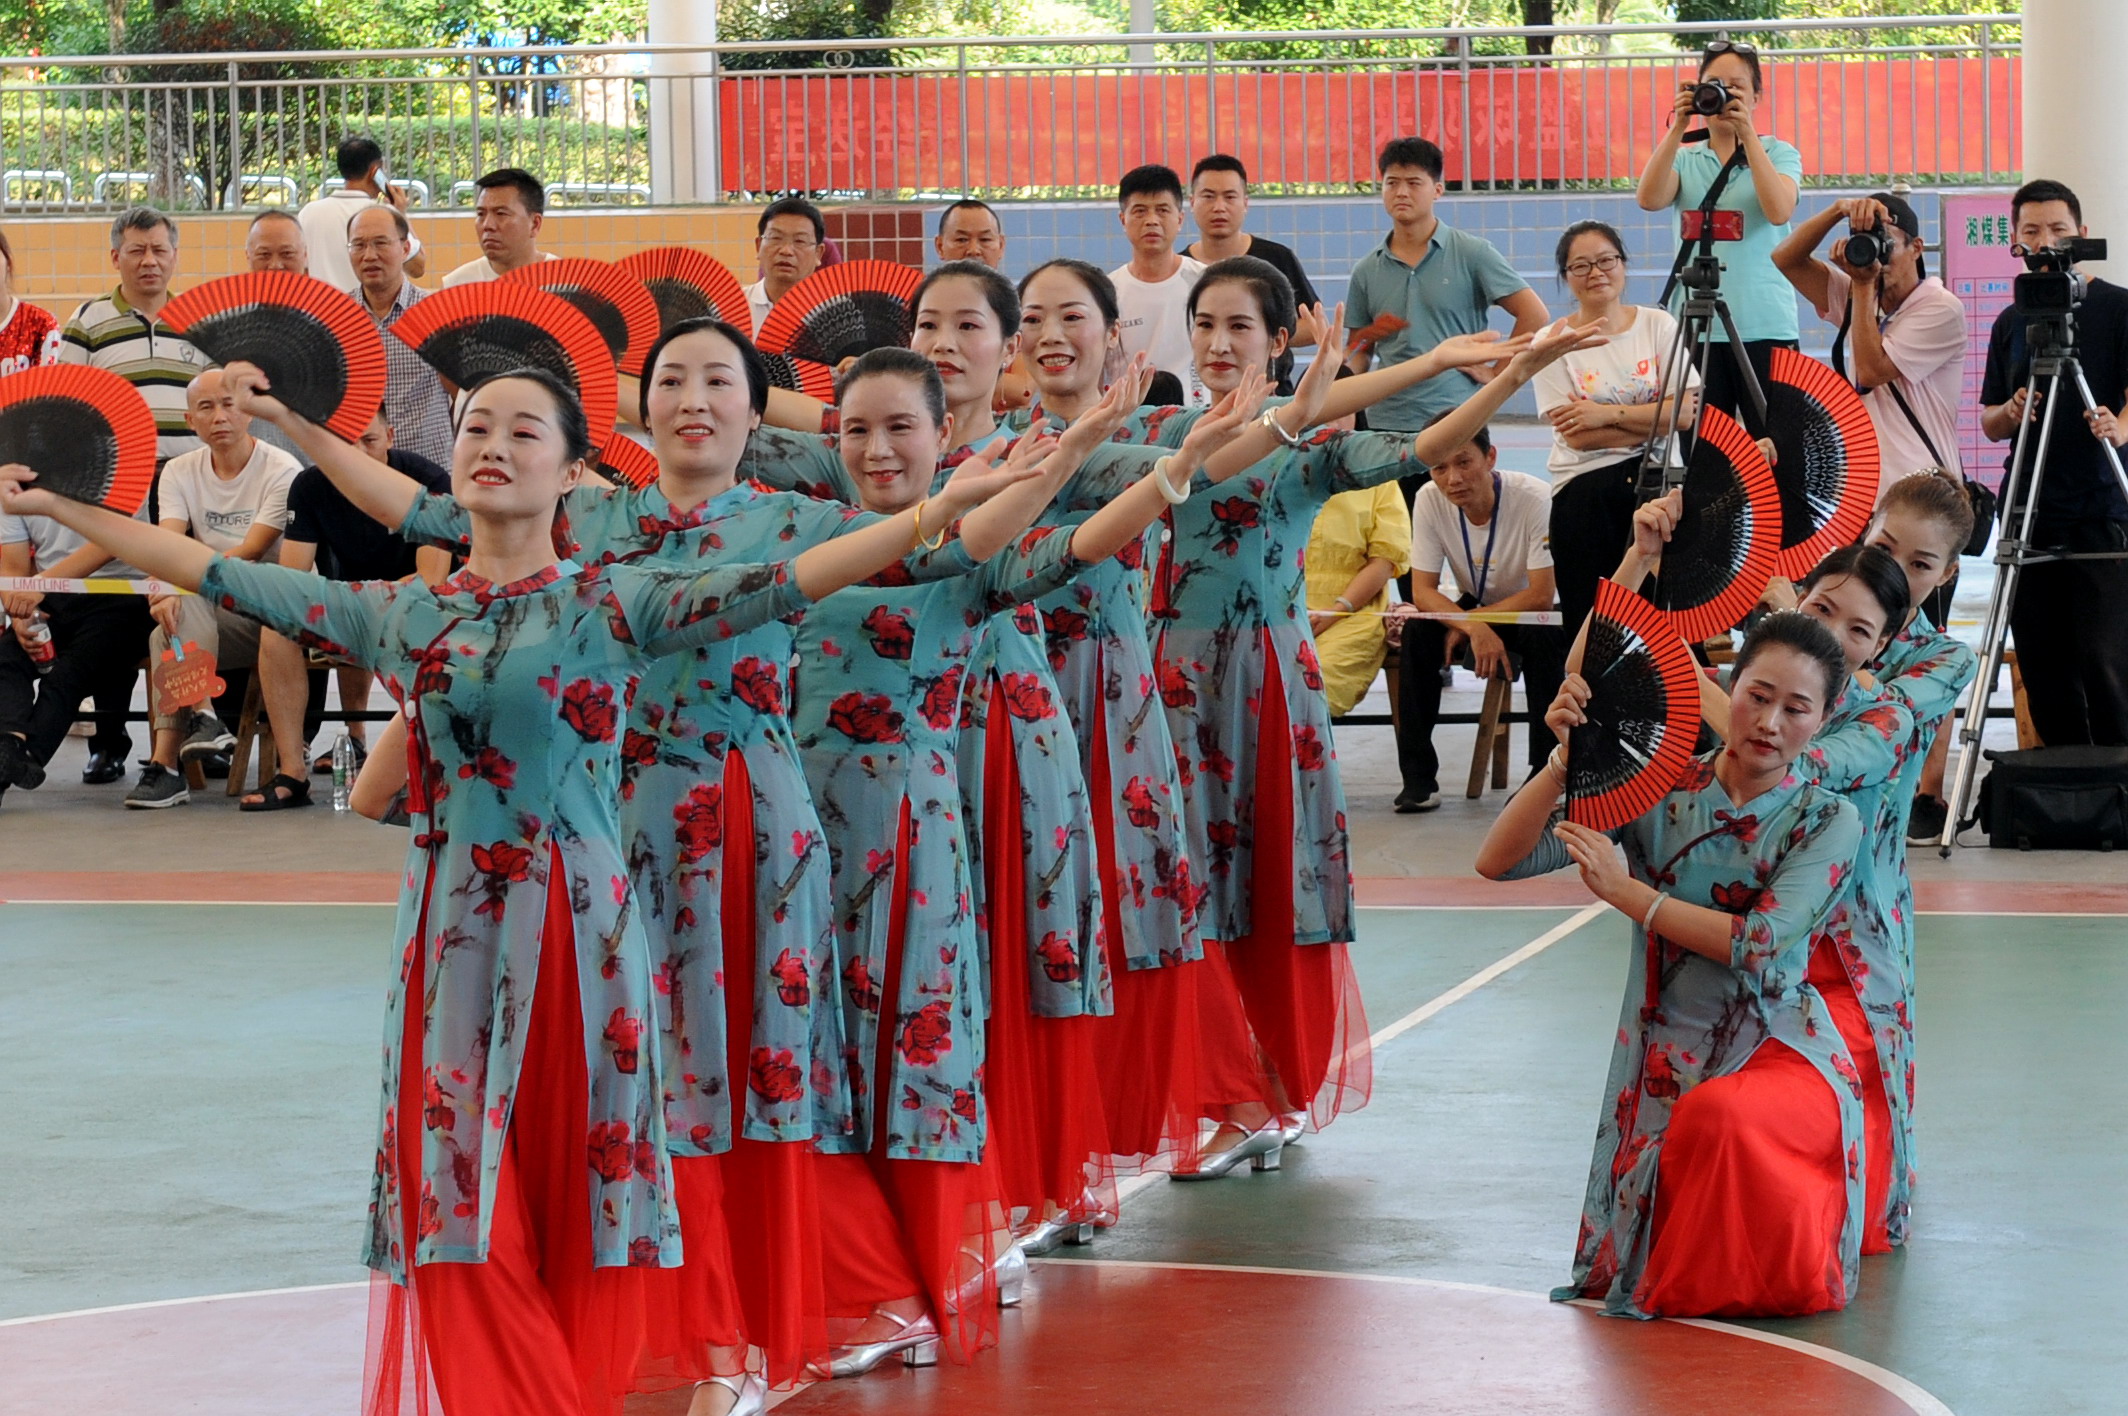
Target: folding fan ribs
point(843, 311)
point(86, 433)
point(688, 285)
point(1722, 553)
point(1826, 460)
point(802, 375)
point(319, 350)
point(468, 332)
point(1643, 712)
point(624, 461)
point(614, 301)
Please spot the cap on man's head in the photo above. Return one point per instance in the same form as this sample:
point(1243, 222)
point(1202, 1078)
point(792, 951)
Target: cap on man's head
point(1900, 211)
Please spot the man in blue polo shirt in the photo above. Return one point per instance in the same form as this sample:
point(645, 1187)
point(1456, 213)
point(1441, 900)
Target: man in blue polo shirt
point(1439, 280)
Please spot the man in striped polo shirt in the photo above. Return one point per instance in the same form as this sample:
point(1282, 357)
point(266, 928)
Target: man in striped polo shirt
point(123, 331)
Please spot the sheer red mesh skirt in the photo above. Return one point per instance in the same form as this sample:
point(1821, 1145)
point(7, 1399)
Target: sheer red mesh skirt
point(896, 1229)
point(1750, 1197)
point(538, 1330)
point(1829, 977)
point(1048, 1131)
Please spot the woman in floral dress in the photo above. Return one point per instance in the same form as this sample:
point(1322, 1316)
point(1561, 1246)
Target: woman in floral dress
point(528, 1223)
point(1727, 1176)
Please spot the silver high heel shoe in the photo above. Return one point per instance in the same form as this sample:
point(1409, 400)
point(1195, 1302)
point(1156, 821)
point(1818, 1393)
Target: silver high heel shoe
point(1293, 1125)
point(916, 1344)
point(750, 1389)
point(1055, 1232)
point(1011, 1274)
point(1260, 1148)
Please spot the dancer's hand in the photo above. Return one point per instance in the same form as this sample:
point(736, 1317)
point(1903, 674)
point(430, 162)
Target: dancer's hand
point(247, 384)
point(1101, 423)
point(1314, 386)
point(982, 477)
point(1554, 342)
point(1603, 869)
point(1655, 523)
point(1570, 709)
point(17, 497)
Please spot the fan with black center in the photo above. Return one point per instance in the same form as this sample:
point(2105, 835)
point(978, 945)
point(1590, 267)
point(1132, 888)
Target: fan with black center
point(320, 351)
point(688, 285)
point(1721, 554)
point(842, 311)
point(469, 332)
point(1826, 461)
point(625, 462)
point(1642, 715)
point(801, 375)
point(85, 432)
point(614, 301)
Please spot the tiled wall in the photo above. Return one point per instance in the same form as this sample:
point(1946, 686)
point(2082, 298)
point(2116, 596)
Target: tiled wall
point(62, 261)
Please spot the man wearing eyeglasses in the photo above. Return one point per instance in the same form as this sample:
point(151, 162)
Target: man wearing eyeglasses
point(791, 233)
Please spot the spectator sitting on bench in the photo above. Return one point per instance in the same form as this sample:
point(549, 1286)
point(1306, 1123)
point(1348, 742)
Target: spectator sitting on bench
point(1493, 530)
point(327, 534)
point(96, 640)
point(232, 496)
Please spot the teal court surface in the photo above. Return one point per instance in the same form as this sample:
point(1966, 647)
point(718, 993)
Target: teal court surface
point(191, 1067)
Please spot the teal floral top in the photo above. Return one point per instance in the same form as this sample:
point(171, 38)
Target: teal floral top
point(1927, 670)
point(1780, 863)
point(519, 694)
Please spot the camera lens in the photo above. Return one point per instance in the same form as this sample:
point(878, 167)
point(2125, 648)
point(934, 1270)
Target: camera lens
point(1867, 248)
point(1710, 97)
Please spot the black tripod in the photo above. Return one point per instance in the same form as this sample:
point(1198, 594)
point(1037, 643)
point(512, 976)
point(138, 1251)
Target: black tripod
point(2054, 366)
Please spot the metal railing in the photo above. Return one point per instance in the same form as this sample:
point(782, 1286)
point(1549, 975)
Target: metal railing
point(1931, 100)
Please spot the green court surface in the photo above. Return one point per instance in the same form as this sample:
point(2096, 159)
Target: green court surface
point(191, 1093)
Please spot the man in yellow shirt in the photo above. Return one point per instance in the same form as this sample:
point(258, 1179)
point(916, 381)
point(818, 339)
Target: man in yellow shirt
point(1361, 541)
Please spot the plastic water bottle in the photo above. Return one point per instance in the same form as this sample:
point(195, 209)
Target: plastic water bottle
point(37, 640)
point(343, 760)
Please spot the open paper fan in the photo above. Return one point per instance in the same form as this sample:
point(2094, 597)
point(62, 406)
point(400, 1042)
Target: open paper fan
point(86, 433)
point(839, 312)
point(803, 375)
point(688, 285)
point(625, 462)
point(615, 302)
point(468, 332)
point(1721, 555)
point(1643, 712)
point(320, 350)
point(1826, 465)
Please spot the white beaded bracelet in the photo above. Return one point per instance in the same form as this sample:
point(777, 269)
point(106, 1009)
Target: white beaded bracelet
point(1647, 921)
point(1167, 487)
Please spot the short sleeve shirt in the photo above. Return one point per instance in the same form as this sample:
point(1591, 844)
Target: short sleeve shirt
point(1925, 339)
point(351, 545)
point(219, 513)
point(1501, 559)
point(51, 543)
point(1155, 322)
point(1760, 299)
point(1626, 370)
point(29, 336)
point(2079, 483)
point(1449, 292)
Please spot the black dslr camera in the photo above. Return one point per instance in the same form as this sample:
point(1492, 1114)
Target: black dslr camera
point(1867, 248)
point(2050, 284)
point(1710, 98)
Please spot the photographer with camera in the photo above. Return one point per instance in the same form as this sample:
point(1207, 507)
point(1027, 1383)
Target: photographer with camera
point(1689, 163)
point(1902, 334)
point(2070, 618)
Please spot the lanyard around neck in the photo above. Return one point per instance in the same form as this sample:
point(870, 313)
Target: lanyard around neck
point(1492, 530)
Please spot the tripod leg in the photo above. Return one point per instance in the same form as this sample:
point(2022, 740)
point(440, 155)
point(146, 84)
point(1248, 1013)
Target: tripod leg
point(2113, 454)
point(1676, 380)
point(1744, 371)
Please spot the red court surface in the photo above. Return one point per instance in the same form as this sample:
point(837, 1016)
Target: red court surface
point(1151, 1340)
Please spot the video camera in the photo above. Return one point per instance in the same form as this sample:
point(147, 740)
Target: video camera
point(1710, 98)
point(2050, 285)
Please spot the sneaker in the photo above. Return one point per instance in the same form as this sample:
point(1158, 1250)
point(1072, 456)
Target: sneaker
point(1924, 824)
point(17, 767)
point(208, 736)
point(1409, 803)
point(158, 787)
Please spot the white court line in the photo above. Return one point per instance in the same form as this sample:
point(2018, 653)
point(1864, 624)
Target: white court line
point(1487, 974)
point(225, 904)
point(180, 1302)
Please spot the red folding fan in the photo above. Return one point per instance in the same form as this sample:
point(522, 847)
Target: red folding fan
point(1643, 712)
point(614, 301)
point(1826, 460)
point(625, 462)
point(1721, 555)
point(688, 285)
point(468, 332)
point(86, 433)
point(839, 312)
point(320, 350)
point(802, 375)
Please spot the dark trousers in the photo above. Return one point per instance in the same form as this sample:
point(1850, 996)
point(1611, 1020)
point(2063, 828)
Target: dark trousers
point(1725, 387)
point(100, 640)
point(1592, 525)
point(1540, 647)
point(2070, 624)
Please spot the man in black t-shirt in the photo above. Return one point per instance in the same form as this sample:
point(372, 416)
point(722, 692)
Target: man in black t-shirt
point(2070, 618)
point(326, 533)
point(1219, 203)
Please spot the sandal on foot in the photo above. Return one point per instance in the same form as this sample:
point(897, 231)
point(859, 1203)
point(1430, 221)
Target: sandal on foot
point(269, 799)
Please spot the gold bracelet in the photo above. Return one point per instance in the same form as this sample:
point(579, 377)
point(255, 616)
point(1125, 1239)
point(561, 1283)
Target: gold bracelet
point(917, 521)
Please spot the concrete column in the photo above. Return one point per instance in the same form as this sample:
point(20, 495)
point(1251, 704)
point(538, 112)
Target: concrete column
point(2071, 54)
point(683, 105)
point(1143, 20)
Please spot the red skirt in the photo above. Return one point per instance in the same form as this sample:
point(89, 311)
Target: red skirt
point(1048, 1132)
point(538, 1329)
point(1307, 1027)
point(1750, 1196)
point(1829, 977)
point(896, 1229)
